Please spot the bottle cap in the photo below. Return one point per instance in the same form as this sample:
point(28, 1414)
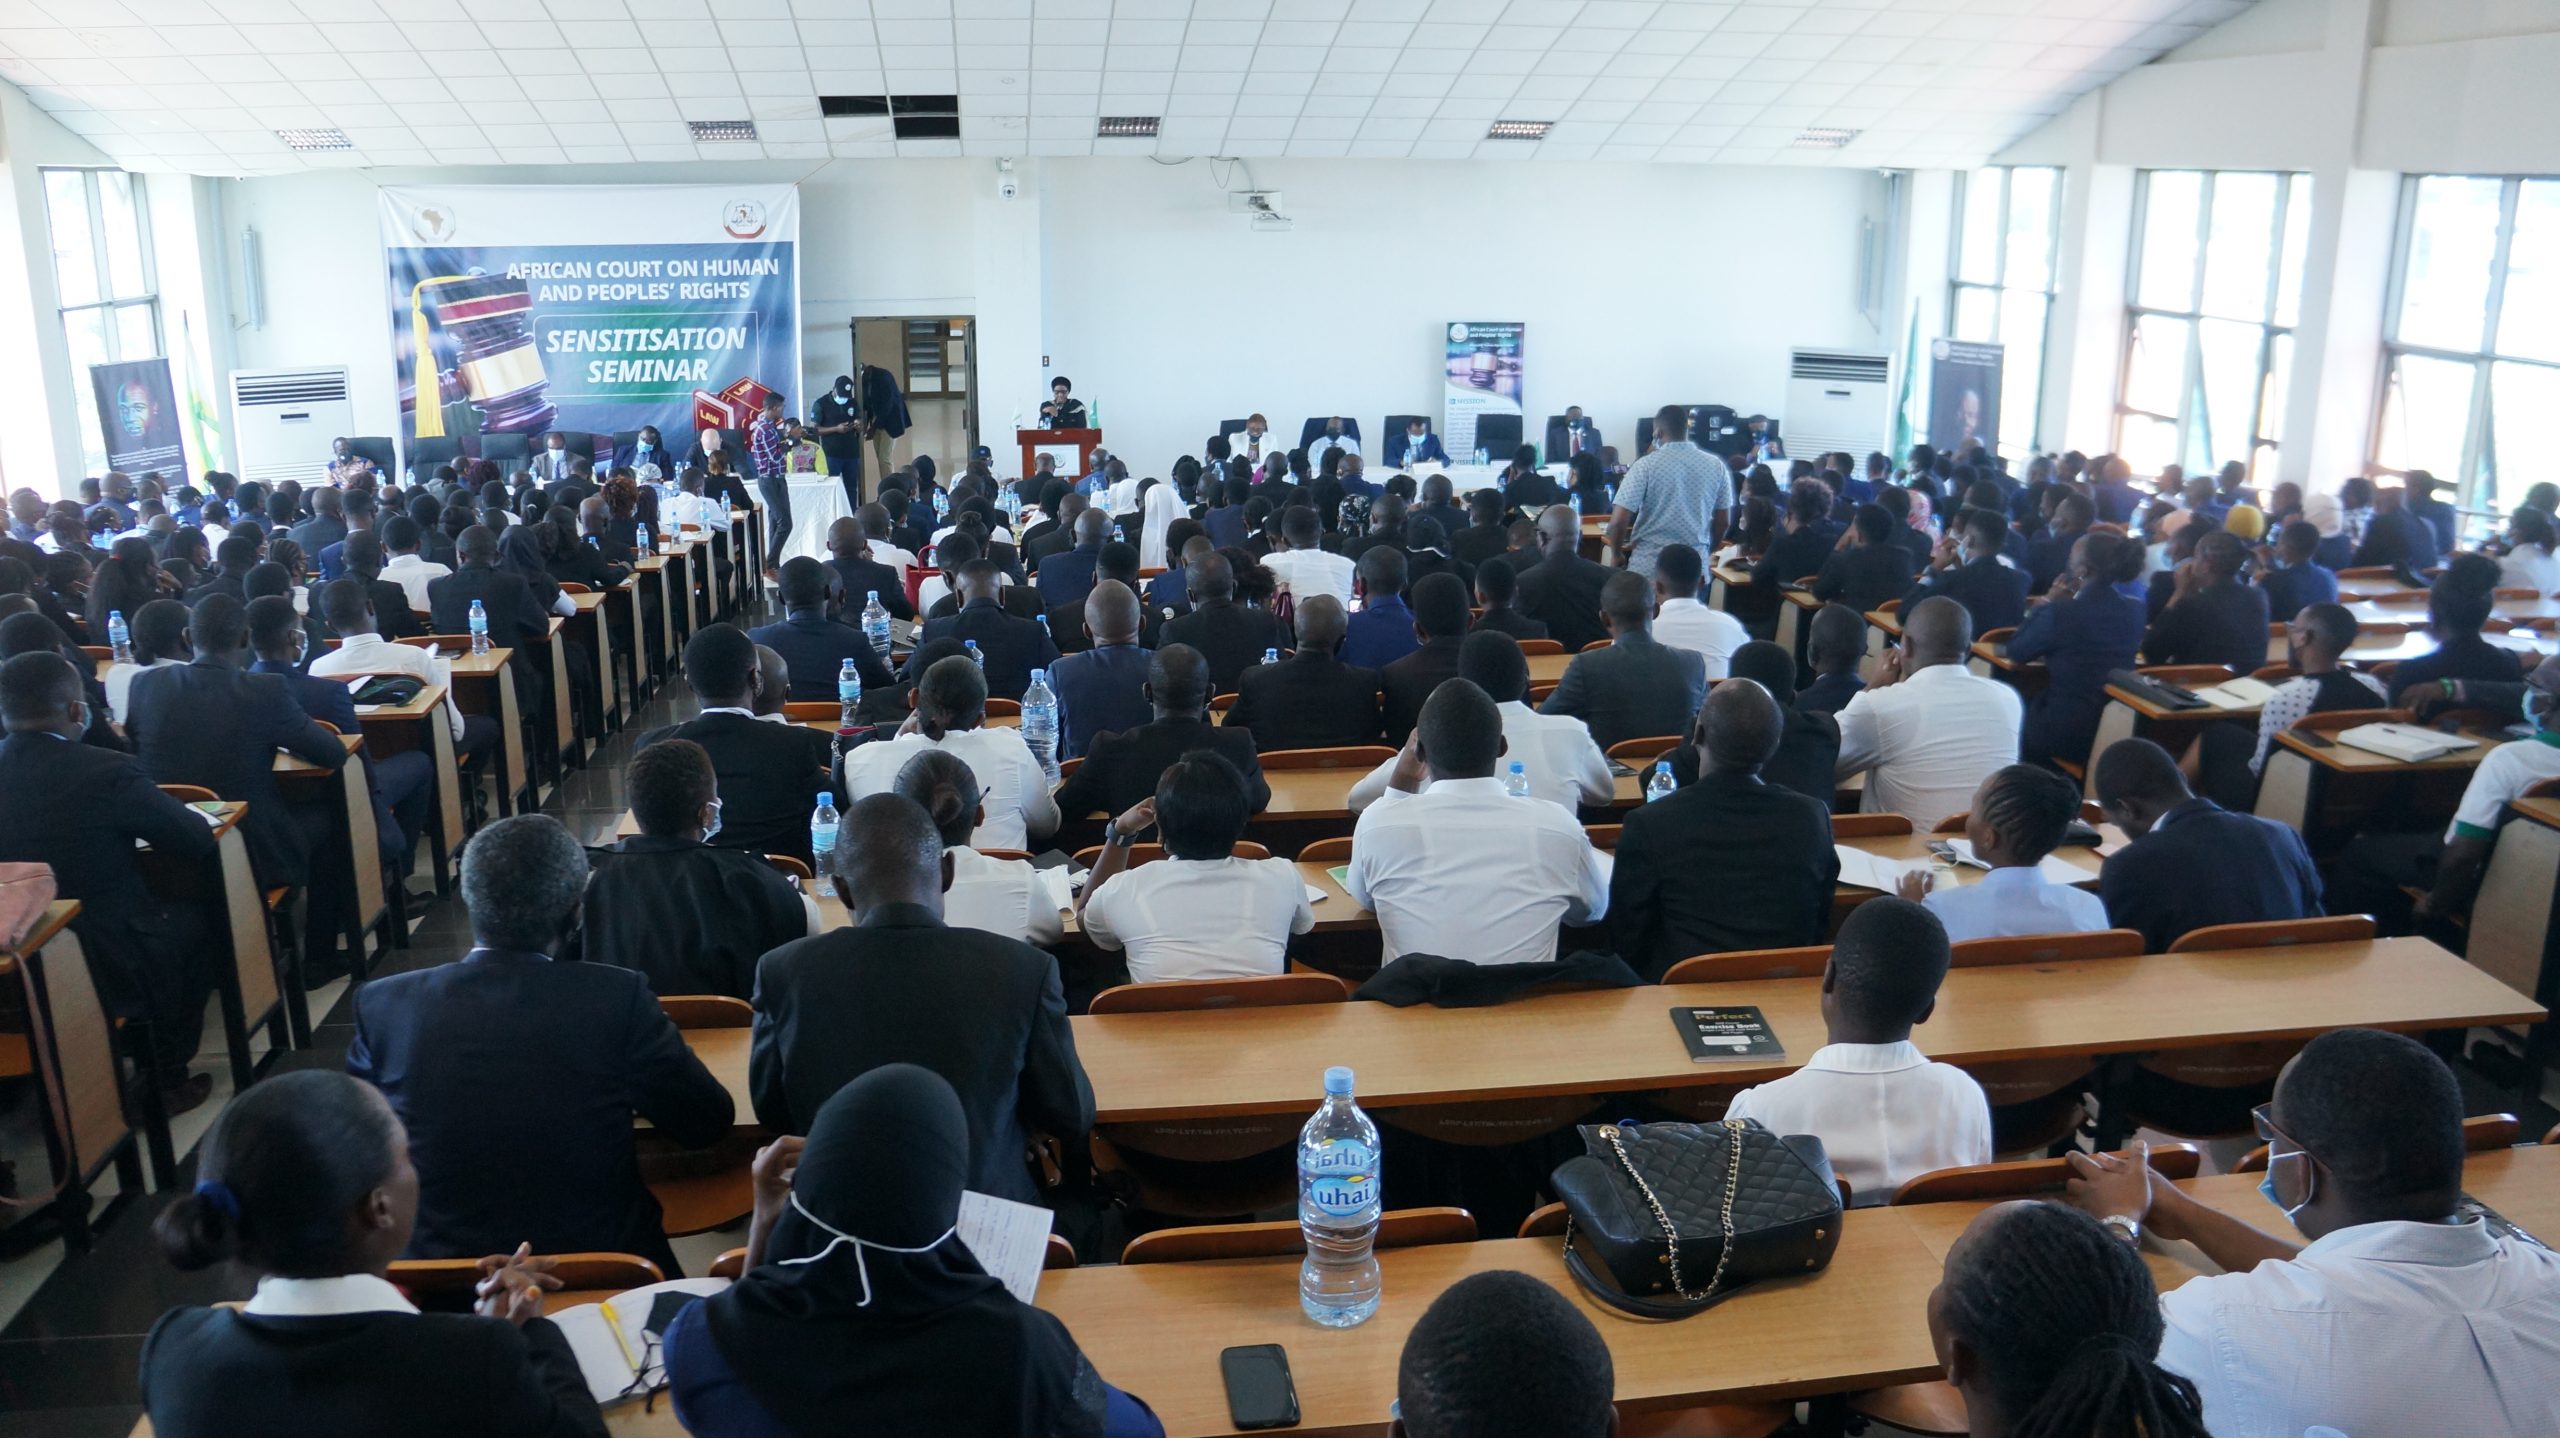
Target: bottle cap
point(825, 798)
point(1337, 1081)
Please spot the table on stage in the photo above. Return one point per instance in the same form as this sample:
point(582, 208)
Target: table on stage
point(817, 501)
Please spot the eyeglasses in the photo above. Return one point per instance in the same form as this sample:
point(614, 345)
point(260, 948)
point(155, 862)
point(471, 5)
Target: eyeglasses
point(2269, 1134)
point(651, 1379)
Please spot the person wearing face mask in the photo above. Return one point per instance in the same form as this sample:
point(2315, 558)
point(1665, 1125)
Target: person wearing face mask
point(2402, 1313)
point(689, 917)
point(646, 447)
point(1333, 436)
point(836, 420)
point(553, 462)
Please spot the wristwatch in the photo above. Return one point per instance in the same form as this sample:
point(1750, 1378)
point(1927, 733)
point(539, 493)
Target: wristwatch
point(2125, 1226)
point(1113, 838)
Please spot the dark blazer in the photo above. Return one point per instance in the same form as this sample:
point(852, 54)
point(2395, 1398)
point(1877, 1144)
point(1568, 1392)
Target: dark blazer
point(216, 1373)
point(1013, 646)
point(628, 456)
point(1829, 693)
point(318, 533)
point(852, 582)
point(1231, 635)
point(1102, 690)
point(814, 649)
point(2292, 589)
point(1865, 577)
point(1563, 593)
point(1123, 768)
point(2218, 624)
point(587, 564)
point(516, 618)
point(1306, 701)
point(1914, 545)
point(1807, 761)
point(79, 809)
point(518, 1078)
point(1994, 594)
point(1408, 682)
point(221, 581)
point(1066, 576)
point(1509, 621)
point(393, 618)
point(211, 725)
point(987, 1013)
point(1380, 634)
point(2046, 558)
point(1769, 847)
point(1403, 449)
point(2465, 656)
point(2080, 641)
point(1023, 602)
point(768, 774)
point(1795, 554)
point(1475, 543)
point(688, 917)
point(2399, 539)
point(1636, 688)
point(1043, 542)
point(2202, 865)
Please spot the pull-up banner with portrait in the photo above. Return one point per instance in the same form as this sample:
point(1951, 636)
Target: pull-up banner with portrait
point(138, 417)
point(1483, 380)
point(520, 309)
point(1964, 394)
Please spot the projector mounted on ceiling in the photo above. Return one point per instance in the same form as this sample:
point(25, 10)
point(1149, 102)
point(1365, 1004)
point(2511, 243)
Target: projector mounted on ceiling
point(1253, 202)
point(1270, 223)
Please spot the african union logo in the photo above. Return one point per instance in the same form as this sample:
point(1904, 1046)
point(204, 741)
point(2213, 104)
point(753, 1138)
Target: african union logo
point(434, 224)
point(1938, 349)
point(743, 219)
point(1458, 333)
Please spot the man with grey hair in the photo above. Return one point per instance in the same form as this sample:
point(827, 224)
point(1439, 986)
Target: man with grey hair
point(518, 1078)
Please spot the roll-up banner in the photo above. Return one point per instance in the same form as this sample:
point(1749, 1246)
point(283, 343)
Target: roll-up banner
point(1483, 363)
point(139, 419)
point(1964, 394)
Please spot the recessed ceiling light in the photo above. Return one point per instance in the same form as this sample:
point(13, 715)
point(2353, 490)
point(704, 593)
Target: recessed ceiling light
point(1126, 126)
point(717, 131)
point(1519, 129)
point(330, 139)
point(1824, 139)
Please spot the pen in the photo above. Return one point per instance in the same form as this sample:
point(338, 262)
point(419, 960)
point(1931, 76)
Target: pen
point(613, 1321)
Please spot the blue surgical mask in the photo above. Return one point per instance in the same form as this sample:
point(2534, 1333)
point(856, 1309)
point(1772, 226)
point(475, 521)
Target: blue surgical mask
point(2267, 1187)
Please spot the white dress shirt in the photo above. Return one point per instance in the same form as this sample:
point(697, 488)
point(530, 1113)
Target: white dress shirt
point(2380, 1329)
point(1005, 896)
point(930, 591)
point(1556, 751)
point(1884, 1112)
point(1201, 918)
point(1465, 871)
point(373, 654)
point(883, 552)
point(1310, 572)
point(2007, 903)
point(1316, 447)
point(2530, 566)
point(1929, 741)
point(413, 575)
point(326, 1297)
point(1014, 787)
point(709, 514)
point(1712, 633)
point(2501, 779)
point(119, 683)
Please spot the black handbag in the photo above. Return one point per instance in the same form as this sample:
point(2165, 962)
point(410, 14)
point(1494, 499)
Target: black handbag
point(1653, 1207)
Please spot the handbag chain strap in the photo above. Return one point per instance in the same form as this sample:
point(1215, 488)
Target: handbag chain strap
point(1733, 1128)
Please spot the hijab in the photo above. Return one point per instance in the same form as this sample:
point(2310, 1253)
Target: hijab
point(520, 552)
point(868, 1314)
point(1163, 506)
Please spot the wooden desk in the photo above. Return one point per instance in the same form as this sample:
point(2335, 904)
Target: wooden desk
point(86, 1072)
point(652, 571)
point(484, 684)
point(252, 994)
point(1547, 668)
point(2128, 715)
point(2399, 648)
point(590, 627)
point(1796, 608)
point(1724, 581)
point(2510, 936)
point(2303, 781)
point(2539, 613)
point(421, 725)
point(564, 719)
point(350, 799)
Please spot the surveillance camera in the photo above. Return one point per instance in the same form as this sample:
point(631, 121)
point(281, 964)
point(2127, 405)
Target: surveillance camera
point(1007, 187)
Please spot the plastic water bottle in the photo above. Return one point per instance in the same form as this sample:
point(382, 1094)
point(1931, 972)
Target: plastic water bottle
point(1516, 783)
point(822, 836)
point(941, 503)
point(848, 692)
point(1481, 459)
point(640, 539)
point(1040, 721)
point(1660, 786)
point(975, 652)
point(1338, 1284)
point(479, 627)
point(119, 638)
point(1270, 656)
point(875, 625)
point(1610, 492)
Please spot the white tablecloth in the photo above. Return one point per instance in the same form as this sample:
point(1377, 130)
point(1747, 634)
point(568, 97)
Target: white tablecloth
point(817, 501)
point(1467, 478)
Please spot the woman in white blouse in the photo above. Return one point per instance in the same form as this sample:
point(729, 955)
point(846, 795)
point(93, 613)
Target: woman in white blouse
point(1199, 912)
point(2529, 561)
point(951, 716)
point(1001, 896)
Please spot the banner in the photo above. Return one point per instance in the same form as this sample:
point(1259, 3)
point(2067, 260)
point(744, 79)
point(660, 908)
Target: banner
point(1483, 366)
point(138, 413)
point(591, 308)
point(1964, 395)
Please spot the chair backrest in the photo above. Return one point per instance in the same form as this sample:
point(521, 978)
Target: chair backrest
point(1547, 1220)
point(1633, 752)
point(2045, 949)
point(1750, 964)
point(571, 586)
point(191, 793)
point(2332, 720)
point(1868, 826)
point(1267, 991)
point(1603, 836)
point(1397, 1228)
point(1326, 851)
point(2539, 789)
point(1497, 435)
point(1004, 708)
point(1531, 648)
point(731, 1264)
point(99, 653)
point(2485, 1133)
point(1149, 853)
point(2189, 676)
point(1221, 703)
point(1539, 692)
point(2275, 933)
point(611, 1272)
point(2026, 1177)
point(790, 867)
point(1596, 645)
point(1057, 1253)
point(1340, 756)
point(2272, 673)
point(707, 1011)
point(2369, 571)
point(812, 710)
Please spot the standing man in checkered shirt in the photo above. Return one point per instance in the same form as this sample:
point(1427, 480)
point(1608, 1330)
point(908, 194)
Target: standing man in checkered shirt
point(1679, 494)
point(765, 453)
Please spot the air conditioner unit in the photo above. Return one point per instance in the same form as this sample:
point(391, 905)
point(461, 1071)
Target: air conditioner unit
point(285, 419)
point(1837, 400)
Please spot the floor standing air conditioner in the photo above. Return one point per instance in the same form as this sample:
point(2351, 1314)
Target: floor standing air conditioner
point(1837, 400)
point(285, 419)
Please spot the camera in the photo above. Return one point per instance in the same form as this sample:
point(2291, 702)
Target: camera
point(1007, 187)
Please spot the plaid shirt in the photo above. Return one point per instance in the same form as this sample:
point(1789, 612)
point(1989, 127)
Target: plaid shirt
point(764, 447)
point(1675, 492)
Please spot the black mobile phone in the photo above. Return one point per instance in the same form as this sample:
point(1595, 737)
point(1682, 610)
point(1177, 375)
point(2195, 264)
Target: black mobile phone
point(2314, 738)
point(1260, 1393)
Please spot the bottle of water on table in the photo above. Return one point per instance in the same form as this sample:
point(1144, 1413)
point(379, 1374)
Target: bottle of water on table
point(479, 627)
point(875, 626)
point(1338, 1206)
point(1516, 783)
point(975, 652)
point(822, 835)
point(1270, 656)
point(119, 637)
point(1661, 785)
point(1040, 721)
point(849, 706)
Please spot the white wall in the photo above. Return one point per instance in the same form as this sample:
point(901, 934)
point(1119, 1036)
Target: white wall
point(42, 409)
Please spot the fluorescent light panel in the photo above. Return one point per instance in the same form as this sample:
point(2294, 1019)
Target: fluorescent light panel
point(1121, 127)
point(328, 139)
point(1519, 129)
point(1824, 139)
point(718, 131)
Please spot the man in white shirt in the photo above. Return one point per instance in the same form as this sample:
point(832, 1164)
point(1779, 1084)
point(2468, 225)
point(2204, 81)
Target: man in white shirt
point(1928, 731)
point(2018, 817)
point(1556, 751)
point(1460, 868)
point(1885, 1113)
point(1305, 566)
point(1332, 436)
point(2404, 1314)
point(875, 529)
point(400, 539)
point(1681, 622)
point(360, 650)
point(1199, 912)
point(950, 715)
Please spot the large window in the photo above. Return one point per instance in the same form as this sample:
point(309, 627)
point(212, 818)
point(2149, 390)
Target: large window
point(2216, 285)
point(103, 279)
point(2002, 287)
point(2471, 374)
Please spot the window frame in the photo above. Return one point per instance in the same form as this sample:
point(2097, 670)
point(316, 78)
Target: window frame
point(1998, 287)
point(110, 304)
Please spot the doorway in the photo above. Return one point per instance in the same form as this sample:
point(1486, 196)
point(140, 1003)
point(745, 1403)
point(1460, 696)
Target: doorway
point(935, 358)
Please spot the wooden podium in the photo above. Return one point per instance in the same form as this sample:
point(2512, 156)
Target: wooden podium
point(1083, 441)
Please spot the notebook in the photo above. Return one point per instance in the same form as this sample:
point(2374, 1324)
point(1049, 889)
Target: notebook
point(1720, 1035)
point(1870, 871)
point(2241, 693)
point(2407, 743)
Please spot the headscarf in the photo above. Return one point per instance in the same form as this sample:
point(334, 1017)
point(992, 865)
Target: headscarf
point(1163, 506)
point(2320, 510)
point(869, 1315)
point(2247, 521)
point(520, 552)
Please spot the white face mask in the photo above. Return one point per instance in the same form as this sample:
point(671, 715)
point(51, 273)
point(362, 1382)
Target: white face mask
point(859, 1244)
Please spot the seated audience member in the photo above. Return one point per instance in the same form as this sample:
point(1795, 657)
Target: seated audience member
point(159, 631)
point(981, 891)
point(402, 786)
point(81, 810)
point(862, 1311)
point(1872, 569)
point(2089, 626)
point(518, 1077)
point(1311, 699)
point(2019, 815)
point(1012, 646)
point(518, 620)
point(1562, 590)
point(1303, 564)
point(1966, 567)
point(1460, 868)
point(1884, 1112)
point(1809, 749)
point(1440, 623)
point(2395, 538)
point(1637, 687)
point(2229, 757)
point(2192, 863)
point(1504, 1355)
point(1200, 912)
point(985, 1011)
point(362, 650)
point(1554, 751)
point(690, 918)
point(951, 716)
point(1485, 535)
point(1233, 635)
point(1805, 539)
point(1382, 632)
point(2402, 1314)
point(1065, 576)
point(2050, 555)
point(404, 564)
point(1835, 646)
point(1768, 848)
point(2212, 617)
point(1929, 730)
point(1680, 621)
point(768, 774)
point(2045, 1322)
point(1120, 563)
point(1123, 768)
point(2532, 553)
point(390, 602)
point(2459, 605)
point(1103, 688)
point(853, 575)
point(815, 646)
point(306, 1182)
point(1497, 589)
point(2297, 580)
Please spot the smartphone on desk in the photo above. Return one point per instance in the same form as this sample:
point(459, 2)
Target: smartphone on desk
point(1260, 1393)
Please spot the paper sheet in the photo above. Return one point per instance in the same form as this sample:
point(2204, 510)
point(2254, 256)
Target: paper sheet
point(1315, 895)
point(1869, 871)
point(2056, 870)
point(1008, 1239)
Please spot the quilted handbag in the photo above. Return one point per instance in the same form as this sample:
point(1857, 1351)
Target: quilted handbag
point(1668, 1219)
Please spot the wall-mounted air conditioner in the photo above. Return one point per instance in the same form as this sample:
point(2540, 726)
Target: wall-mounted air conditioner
point(285, 419)
point(1838, 400)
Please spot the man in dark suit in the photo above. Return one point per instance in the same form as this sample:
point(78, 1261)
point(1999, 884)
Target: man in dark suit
point(597, 560)
point(646, 448)
point(2192, 863)
point(1440, 618)
point(854, 576)
point(1416, 444)
point(1562, 590)
point(814, 647)
point(1104, 688)
point(1439, 505)
point(2394, 538)
point(1498, 590)
point(233, 559)
point(1009, 646)
point(1872, 570)
point(1638, 687)
point(1808, 756)
point(2212, 617)
point(1057, 535)
point(2050, 555)
point(1123, 768)
point(1484, 535)
point(1769, 848)
point(984, 1011)
point(1967, 569)
point(1311, 699)
point(1232, 635)
point(769, 773)
point(402, 786)
point(327, 524)
point(80, 809)
point(518, 1077)
point(517, 620)
point(393, 618)
point(690, 918)
point(1066, 577)
point(1915, 544)
point(1383, 631)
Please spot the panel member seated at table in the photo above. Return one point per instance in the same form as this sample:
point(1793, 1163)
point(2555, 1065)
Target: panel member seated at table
point(1310, 699)
point(1503, 1355)
point(813, 645)
point(1928, 731)
point(1768, 848)
point(2018, 816)
point(688, 917)
point(1554, 750)
point(1199, 912)
point(1103, 688)
point(2400, 1310)
point(768, 774)
point(2192, 863)
point(951, 715)
point(1460, 868)
point(1884, 1112)
point(981, 891)
point(1124, 768)
point(519, 1077)
point(1234, 635)
point(1415, 445)
point(1638, 687)
point(306, 1183)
